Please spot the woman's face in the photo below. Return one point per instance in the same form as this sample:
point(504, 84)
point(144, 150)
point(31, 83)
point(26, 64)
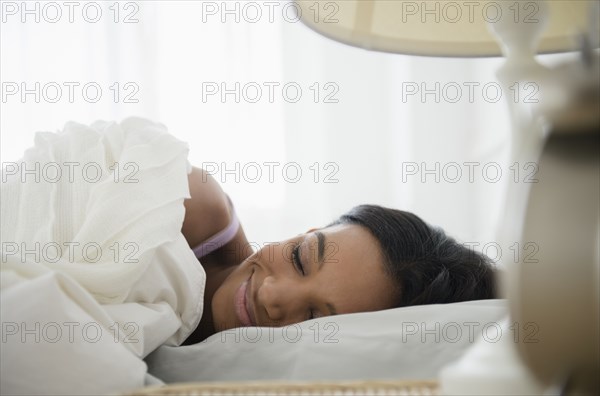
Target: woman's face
point(343, 273)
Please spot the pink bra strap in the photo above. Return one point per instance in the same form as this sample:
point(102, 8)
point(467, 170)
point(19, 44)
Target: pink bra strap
point(221, 238)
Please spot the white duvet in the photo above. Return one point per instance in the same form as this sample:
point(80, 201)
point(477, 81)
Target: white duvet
point(95, 271)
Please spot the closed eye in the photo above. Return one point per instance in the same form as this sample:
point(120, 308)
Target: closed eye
point(298, 264)
point(296, 259)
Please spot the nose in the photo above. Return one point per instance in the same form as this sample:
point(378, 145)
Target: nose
point(282, 300)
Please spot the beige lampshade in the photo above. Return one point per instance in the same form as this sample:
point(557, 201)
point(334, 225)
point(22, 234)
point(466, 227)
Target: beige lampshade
point(443, 27)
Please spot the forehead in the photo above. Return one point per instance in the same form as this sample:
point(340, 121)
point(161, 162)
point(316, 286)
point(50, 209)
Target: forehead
point(353, 270)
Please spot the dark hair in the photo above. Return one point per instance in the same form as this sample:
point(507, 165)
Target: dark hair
point(428, 266)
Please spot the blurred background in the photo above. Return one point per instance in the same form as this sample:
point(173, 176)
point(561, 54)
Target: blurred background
point(296, 127)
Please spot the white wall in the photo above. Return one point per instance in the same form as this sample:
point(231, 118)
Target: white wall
point(368, 137)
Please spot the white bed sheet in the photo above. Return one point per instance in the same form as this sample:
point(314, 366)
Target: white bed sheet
point(72, 326)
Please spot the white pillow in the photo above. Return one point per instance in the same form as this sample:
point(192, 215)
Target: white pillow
point(402, 343)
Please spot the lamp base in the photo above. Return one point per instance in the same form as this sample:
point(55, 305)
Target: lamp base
point(557, 291)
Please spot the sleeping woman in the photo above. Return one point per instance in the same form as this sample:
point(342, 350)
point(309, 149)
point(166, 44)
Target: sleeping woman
point(111, 236)
point(371, 258)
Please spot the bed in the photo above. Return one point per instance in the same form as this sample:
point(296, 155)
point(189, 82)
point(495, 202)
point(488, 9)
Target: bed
point(116, 325)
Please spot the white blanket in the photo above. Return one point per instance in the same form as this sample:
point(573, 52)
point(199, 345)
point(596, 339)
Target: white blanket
point(95, 271)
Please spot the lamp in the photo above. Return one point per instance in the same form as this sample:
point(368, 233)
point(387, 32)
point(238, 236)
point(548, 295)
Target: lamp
point(561, 133)
point(441, 28)
point(517, 29)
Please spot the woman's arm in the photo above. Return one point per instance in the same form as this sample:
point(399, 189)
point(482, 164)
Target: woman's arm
point(207, 212)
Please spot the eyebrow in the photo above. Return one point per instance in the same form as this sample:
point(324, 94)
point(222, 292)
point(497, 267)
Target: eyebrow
point(321, 261)
point(320, 248)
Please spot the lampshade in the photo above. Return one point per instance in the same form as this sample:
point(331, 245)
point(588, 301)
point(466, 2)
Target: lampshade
point(442, 27)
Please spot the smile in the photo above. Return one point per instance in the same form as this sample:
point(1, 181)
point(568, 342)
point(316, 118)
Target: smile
point(242, 304)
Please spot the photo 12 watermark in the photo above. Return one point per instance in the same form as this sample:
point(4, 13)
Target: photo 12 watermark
point(69, 332)
point(71, 252)
point(69, 172)
point(468, 92)
point(458, 12)
point(269, 92)
point(54, 12)
point(470, 172)
point(271, 251)
point(272, 172)
point(268, 12)
point(453, 332)
point(317, 332)
point(49, 92)
point(515, 252)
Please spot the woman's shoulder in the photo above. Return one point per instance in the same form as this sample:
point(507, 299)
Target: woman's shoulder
point(207, 212)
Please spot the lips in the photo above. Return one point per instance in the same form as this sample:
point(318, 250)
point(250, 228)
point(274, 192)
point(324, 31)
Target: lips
point(242, 303)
